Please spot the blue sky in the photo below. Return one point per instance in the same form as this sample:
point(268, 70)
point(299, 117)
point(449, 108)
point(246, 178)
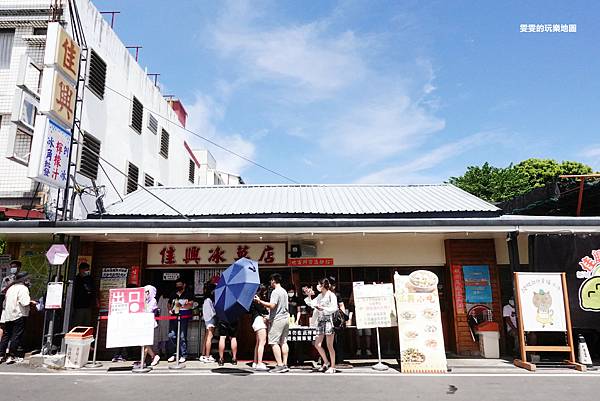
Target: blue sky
point(375, 91)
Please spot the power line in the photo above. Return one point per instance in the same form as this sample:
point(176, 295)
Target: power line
point(208, 140)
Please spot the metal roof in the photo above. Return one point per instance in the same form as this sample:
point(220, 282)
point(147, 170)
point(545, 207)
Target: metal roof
point(302, 201)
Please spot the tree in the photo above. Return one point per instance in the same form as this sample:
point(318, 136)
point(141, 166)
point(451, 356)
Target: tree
point(497, 184)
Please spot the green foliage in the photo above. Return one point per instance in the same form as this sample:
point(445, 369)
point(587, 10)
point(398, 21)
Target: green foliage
point(497, 184)
point(2, 246)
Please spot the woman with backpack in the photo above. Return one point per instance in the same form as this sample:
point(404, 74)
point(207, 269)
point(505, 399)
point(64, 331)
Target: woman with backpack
point(325, 305)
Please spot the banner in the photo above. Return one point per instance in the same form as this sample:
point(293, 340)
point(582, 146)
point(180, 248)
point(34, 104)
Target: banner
point(374, 305)
point(541, 300)
point(420, 331)
point(128, 323)
point(50, 150)
point(578, 255)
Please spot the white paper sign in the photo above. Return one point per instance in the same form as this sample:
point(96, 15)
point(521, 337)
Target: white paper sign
point(54, 295)
point(374, 305)
point(541, 302)
point(130, 329)
point(50, 152)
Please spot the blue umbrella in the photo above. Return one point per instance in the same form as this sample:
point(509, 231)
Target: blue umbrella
point(235, 289)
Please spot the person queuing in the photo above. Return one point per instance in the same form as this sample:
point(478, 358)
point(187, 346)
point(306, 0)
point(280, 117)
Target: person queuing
point(509, 313)
point(209, 315)
point(151, 306)
point(228, 330)
point(14, 316)
point(181, 303)
point(84, 296)
point(279, 322)
point(259, 318)
point(13, 269)
point(325, 304)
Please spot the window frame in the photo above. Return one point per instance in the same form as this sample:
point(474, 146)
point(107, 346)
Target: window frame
point(93, 89)
point(96, 157)
point(135, 101)
point(164, 145)
point(129, 178)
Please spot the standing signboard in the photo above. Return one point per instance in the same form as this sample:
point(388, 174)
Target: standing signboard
point(543, 305)
point(419, 323)
point(374, 305)
point(128, 323)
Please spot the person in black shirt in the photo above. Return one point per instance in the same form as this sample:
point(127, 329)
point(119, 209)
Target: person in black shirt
point(259, 318)
point(84, 296)
point(181, 302)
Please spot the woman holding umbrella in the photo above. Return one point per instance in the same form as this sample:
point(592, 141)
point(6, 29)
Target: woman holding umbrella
point(325, 304)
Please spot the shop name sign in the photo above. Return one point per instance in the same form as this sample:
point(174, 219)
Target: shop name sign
point(50, 152)
point(61, 61)
point(216, 253)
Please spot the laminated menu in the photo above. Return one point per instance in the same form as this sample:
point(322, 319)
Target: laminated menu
point(419, 323)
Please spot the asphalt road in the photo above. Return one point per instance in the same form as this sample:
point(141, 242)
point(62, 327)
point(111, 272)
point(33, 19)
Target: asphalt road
point(170, 386)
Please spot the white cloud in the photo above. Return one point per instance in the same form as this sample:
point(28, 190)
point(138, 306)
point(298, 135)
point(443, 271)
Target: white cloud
point(304, 56)
point(382, 127)
point(407, 172)
point(204, 115)
point(592, 152)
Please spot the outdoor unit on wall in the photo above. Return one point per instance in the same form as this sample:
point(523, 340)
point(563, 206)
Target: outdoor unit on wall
point(303, 250)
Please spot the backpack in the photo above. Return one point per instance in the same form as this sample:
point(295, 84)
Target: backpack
point(339, 319)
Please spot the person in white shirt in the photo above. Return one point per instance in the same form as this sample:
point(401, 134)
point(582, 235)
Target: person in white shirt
point(209, 315)
point(325, 305)
point(510, 319)
point(14, 315)
point(7, 281)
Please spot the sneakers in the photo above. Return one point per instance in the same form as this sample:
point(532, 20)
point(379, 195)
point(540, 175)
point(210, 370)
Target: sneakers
point(330, 371)
point(118, 358)
point(10, 360)
point(324, 368)
point(203, 359)
point(260, 367)
point(171, 358)
point(369, 353)
point(253, 365)
point(210, 359)
point(279, 369)
point(182, 359)
point(358, 352)
point(221, 362)
point(155, 360)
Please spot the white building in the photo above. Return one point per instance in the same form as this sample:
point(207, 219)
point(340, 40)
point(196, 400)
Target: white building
point(125, 119)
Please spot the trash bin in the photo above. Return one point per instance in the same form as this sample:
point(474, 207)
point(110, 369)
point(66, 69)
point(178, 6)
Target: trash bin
point(78, 341)
point(489, 339)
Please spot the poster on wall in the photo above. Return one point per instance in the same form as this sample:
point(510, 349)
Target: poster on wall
point(541, 302)
point(111, 277)
point(128, 323)
point(204, 275)
point(478, 289)
point(374, 305)
point(420, 331)
point(54, 295)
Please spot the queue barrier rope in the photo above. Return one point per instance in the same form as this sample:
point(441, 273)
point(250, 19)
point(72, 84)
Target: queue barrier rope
point(105, 317)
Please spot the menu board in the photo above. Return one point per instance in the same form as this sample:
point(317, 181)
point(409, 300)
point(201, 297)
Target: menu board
point(374, 305)
point(419, 323)
point(111, 277)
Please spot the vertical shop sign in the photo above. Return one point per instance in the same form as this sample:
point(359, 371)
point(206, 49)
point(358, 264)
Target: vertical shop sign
point(50, 152)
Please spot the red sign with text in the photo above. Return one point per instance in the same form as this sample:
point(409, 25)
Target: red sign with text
point(310, 262)
point(126, 300)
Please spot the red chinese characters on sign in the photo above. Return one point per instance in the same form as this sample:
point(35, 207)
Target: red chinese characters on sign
point(168, 255)
point(267, 255)
point(310, 262)
point(216, 255)
point(69, 56)
point(126, 300)
point(65, 98)
point(192, 254)
point(458, 284)
point(242, 251)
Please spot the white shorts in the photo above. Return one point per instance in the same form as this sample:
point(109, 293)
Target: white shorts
point(259, 324)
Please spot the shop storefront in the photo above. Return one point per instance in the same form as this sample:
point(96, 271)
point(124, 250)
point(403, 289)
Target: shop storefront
point(462, 240)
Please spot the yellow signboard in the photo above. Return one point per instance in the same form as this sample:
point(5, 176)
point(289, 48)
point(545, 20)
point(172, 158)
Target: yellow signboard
point(58, 97)
point(62, 52)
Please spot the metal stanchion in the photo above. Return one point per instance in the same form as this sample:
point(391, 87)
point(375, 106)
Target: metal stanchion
point(379, 365)
point(142, 368)
point(95, 364)
point(177, 364)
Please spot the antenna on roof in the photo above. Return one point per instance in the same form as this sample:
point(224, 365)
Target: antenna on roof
point(155, 76)
point(137, 50)
point(112, 17)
